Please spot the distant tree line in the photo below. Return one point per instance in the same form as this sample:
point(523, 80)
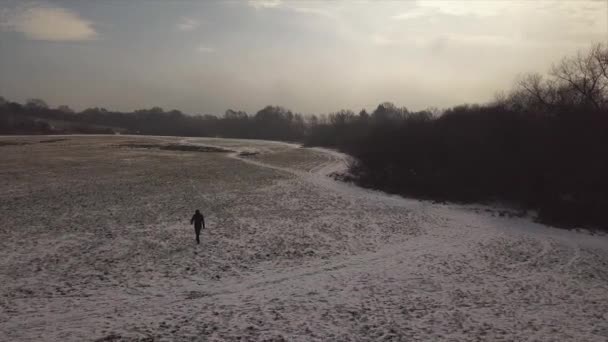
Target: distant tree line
point(542, 146)
point(36, 117)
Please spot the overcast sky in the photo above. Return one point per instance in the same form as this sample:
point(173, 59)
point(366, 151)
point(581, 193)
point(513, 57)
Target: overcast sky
point(311, 57)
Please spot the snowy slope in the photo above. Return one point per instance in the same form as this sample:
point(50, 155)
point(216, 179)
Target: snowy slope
point(290, 254)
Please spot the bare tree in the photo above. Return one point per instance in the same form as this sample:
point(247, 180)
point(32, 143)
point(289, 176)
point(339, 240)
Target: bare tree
point(579, 81)
point(585, 74)
point(342, 117)
point(532, 92)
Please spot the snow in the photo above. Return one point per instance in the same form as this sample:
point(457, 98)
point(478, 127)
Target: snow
point(95, 245)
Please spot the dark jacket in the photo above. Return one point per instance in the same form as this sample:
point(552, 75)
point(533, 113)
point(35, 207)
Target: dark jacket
point(198, 220)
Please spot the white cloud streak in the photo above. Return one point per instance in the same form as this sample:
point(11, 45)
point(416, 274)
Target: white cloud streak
point(48, 23)
point(313, 11)
point(206, 49)
point(468, 7)
point(187, 24)
point(259, 4)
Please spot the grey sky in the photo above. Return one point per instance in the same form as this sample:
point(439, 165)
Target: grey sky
point(311, 57)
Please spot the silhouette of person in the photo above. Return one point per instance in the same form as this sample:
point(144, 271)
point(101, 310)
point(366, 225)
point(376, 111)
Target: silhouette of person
point(199, 222)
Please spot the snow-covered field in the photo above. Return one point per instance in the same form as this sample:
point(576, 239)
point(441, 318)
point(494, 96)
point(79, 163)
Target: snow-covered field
point(95, 245)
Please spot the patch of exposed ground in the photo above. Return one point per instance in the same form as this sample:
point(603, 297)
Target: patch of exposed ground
point(177, 147)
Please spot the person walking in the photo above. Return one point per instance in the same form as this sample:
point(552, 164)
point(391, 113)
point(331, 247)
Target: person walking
point(199, 223)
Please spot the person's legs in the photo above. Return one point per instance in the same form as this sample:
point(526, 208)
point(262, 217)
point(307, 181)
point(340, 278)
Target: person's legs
point(198, 233)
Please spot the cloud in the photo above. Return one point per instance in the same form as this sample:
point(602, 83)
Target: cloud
point(313, 11)
point(206, 49)
point(265, 3)
point(319, 9)
point(457, 8)
point(469, 7)
point(411, 14)
point(45, 22)
point(187, 24)
point(383, 40)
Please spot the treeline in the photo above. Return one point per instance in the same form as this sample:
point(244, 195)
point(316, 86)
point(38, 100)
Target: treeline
point(541, 146)
point(36, 117)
